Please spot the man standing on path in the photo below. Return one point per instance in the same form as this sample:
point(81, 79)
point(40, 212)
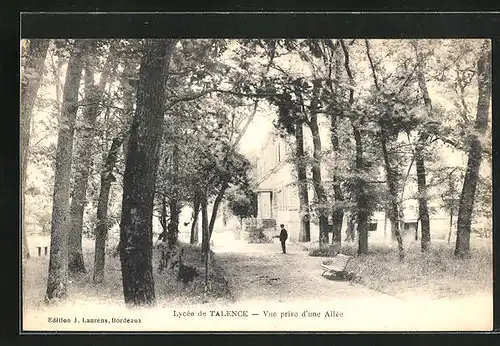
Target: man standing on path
point(283, 237)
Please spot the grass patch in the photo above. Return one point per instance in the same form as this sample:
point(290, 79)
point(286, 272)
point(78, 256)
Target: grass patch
point(110, 292)
point(434, 274)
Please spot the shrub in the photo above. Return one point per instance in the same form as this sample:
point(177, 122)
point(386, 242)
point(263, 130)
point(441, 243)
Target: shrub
point(257, 236)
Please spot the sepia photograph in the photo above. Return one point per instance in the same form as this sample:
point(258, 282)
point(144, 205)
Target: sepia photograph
point(256, 185)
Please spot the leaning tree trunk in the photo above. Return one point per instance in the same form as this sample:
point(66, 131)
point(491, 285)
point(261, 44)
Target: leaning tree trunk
point(215, 208)
point(305, 224)
point(82, 162)
point(361, 197)
point(34, 64)
point(101, 231)
point(318, 184)
point(393, 200)
point(58, 264)
point(466, 203)
point(139, 179)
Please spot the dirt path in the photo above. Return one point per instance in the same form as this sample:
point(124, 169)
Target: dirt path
point(258, 271)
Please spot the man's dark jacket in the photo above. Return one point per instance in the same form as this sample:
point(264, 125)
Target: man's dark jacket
point(283, 235)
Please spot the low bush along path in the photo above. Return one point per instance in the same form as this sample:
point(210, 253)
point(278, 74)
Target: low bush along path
point(262, 272)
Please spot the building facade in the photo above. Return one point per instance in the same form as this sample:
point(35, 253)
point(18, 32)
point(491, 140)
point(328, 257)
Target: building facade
point(278, 197)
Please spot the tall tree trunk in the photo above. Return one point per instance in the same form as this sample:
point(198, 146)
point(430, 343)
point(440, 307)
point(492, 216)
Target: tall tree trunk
point(301, 166)
point(450, 225)
point(338, 209)
point(81, 166)
point(215, 208)
point(101, 231)
point(83, 160)
point(361, 198)
point(139, 179)
point(34, 64)
point(205, 242)
point(58, 264)
point(467, 197)
point(393, 200)
point(423, 210)
point(173, 226)
point(128, 91)
point(317, 181)
point(360, 194)
point(194, 225)
point(394, 211)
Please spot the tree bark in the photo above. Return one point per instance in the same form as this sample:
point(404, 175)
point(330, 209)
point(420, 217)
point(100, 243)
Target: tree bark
point(194, 225)
point(423, 210)
point(174, 204)
point(393, 201)
point(350, 234)
point(305, 225)
point(34, 64)
point(337, 210)
point(139, 180)
point(58, 264)
point(316, 173)
point(128, 92)
point(215, 207)
point(82, 162)
point(467, 197)
point(361, 198)
point(205, 242)
point(101, 231)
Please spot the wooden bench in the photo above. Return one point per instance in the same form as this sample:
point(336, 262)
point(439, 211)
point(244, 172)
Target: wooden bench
point(337, 265)
point(45, 250)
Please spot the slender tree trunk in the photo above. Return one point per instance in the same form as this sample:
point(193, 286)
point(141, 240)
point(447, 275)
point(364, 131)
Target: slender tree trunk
point(215, 207)
point(393, 201)
point(423, 210)
point(205, 242)
point(194, 224)
point(34, 64)
point(361, 198)
point(83, 161)
point(81, 164)
point(317, 181)
point(305, 225)
point(467, 197)
point(350, 234)
point(173, 226)
point(139, 180)
point(58, 264)
point(386, 213)
point(101, 231)
point(338, 209)
point(128, 91)
point(163, 214)
point(451, 225)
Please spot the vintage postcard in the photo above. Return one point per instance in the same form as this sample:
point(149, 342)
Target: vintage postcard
point(284, 184)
